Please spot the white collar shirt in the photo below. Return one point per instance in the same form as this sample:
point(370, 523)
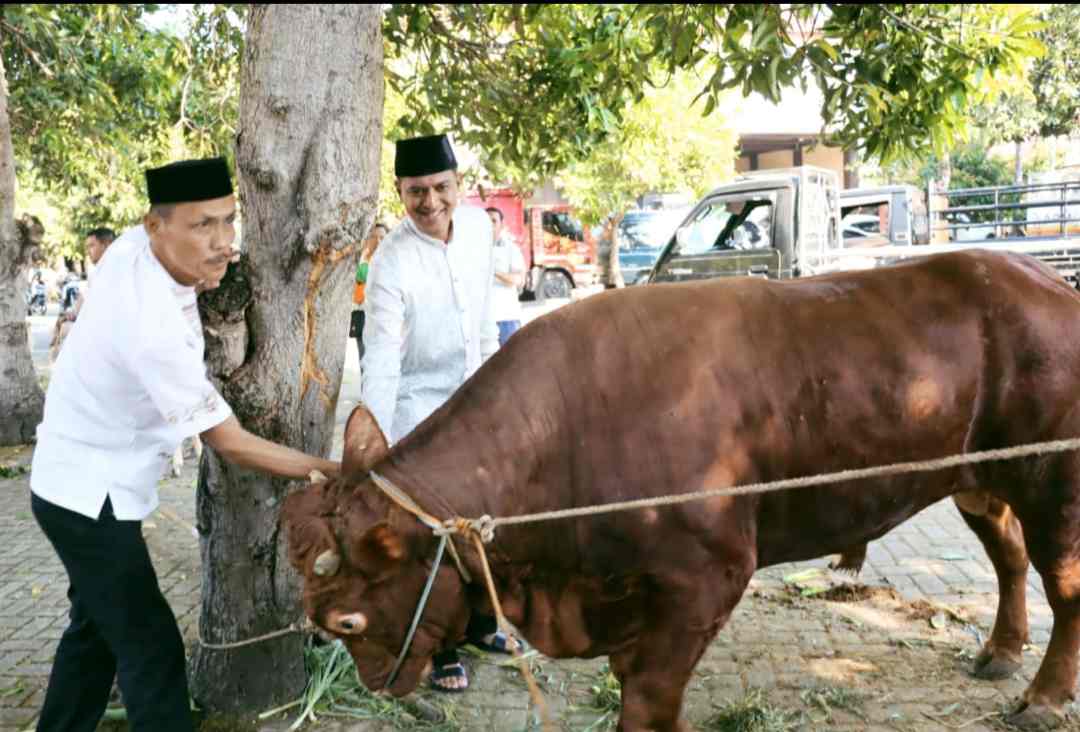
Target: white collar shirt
point(130, 384)
point(508, 260)
point(429, 323)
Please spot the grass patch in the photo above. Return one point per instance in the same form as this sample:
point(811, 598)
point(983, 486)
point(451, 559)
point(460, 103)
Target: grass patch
point(13, 471)
point(334, 690)
point(828, 698)
point(752, 713)
point(605, 699)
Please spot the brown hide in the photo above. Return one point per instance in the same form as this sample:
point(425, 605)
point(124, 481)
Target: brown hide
point(665, 389)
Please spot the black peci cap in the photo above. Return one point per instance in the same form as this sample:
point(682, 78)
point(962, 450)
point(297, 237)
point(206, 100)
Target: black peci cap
point(188, 180)
point(423, 156)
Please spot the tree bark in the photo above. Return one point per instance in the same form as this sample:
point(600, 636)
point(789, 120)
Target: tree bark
point(22, 402)
point(1018, 164)
point(308, 150)
point(613, 255)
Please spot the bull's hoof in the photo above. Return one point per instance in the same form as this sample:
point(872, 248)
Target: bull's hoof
point(1036, 717)
point(989, 667)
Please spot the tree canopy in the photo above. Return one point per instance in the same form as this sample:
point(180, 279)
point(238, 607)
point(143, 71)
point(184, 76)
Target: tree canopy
point(97, 95)
point(535, 87)
point(663, 144)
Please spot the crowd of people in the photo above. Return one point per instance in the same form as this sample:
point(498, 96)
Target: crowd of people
point(435, 296)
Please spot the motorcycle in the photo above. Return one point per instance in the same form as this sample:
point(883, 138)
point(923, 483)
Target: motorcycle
point(36, 302)
point(69, 294)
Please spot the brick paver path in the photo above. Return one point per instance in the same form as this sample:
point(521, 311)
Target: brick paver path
point(934, 557)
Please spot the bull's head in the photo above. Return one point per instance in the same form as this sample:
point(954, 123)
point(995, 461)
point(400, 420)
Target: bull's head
point(364, 564)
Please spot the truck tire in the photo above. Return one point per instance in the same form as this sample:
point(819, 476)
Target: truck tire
point(553, 284)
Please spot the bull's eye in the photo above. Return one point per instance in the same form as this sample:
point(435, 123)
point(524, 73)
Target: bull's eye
point(347, 624)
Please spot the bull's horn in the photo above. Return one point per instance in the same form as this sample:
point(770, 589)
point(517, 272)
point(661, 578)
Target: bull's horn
point(327, 564)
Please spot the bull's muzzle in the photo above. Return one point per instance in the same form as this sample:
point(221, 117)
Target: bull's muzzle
point(327, 564)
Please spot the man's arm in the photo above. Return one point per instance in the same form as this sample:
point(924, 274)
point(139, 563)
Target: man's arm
point(384, 302)
point(489, 331)
point(516, 275)
point(248, 450)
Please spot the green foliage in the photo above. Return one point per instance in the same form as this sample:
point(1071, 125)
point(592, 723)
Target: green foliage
point(971, 167)
point(334, 690)
point(537, 87)
point(663, 144)
point(96, 97)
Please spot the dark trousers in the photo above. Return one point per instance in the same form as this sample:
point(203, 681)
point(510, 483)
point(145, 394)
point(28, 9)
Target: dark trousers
point(121, 626)
point(357, 331)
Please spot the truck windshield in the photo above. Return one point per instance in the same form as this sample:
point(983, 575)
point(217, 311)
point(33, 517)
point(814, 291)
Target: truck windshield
point(562, 224)
point(648, 229)
point(743, 221)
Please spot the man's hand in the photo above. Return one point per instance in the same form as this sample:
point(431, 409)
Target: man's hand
point(237, 445)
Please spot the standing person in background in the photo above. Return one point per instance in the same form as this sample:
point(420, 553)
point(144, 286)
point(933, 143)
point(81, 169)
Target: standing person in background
point(509, 279)
point(356, 325)
point(97, 241)
point(429, 323)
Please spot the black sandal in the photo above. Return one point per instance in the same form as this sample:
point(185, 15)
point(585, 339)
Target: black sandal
point(453, 670)
point(499, 643)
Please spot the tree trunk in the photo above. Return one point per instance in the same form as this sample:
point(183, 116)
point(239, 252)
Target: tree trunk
point(308, 150)
point(21, 400)
point(611, 270)
point(1018, 165)
point(613, 255)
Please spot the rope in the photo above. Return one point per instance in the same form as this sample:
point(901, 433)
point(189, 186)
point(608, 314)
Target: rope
point(297, 627)
point(402, 499)
point(443, 541)
point(485, 525)
point(504, 626)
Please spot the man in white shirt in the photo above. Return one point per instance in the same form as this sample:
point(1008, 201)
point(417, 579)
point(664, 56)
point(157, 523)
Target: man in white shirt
point(128, 386)
point(509, 278)
point(429, 322)
point(97, 241)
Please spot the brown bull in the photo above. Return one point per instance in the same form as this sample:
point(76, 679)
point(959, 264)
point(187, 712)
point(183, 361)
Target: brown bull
point(671, 388)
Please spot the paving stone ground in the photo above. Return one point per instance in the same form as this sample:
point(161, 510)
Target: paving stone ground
point(887, 662)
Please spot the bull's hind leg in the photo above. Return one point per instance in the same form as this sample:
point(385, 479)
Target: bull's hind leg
point(1000, 533)
point(1053, 541)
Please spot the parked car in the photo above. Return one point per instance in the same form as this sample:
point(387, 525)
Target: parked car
point(642, 235)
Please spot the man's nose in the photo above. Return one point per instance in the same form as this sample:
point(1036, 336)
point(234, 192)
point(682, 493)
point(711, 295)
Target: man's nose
point(429, 199)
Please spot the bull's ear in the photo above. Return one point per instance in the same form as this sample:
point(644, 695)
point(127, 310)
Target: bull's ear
point(384, 542)
point(365, 444)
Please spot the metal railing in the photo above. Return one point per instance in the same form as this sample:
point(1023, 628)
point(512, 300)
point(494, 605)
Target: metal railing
point(1006, 212)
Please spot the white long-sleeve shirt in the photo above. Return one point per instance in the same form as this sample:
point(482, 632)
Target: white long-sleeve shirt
point(129, 385)
point(429, 321)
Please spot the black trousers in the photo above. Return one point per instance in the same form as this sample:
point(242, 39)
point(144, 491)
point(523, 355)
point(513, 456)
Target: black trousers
point(121, 626)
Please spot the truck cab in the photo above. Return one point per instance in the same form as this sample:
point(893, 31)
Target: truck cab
point(775, 223)
point(884, 216)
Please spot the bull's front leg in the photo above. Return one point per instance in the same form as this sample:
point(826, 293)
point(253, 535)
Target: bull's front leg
point(655, 670)
point(653, 675)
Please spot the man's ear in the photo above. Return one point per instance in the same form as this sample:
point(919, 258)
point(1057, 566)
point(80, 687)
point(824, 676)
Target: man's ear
point(365, 444)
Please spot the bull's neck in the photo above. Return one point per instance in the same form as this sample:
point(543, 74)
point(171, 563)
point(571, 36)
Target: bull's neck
point(473, 458)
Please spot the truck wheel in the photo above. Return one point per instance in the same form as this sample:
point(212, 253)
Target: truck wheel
point(553, 285)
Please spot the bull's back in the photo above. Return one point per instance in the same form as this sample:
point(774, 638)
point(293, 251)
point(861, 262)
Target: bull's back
point(723, 383)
